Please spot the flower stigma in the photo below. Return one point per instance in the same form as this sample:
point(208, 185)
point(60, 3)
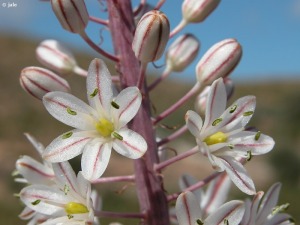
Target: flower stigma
point(216, 138)
point(105, 127)
point(75, 208)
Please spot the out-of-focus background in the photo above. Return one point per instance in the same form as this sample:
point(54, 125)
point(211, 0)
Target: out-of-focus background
point(270, 69)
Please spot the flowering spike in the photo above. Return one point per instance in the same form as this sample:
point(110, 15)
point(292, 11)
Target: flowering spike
point(195, 11)
point(38, 81)
point(182, 52)
point(55, 56)
point(72, 14)
point(218, 61)
point(151, 36)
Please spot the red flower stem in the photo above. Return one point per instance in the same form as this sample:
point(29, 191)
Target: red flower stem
point(140, 7)
point(108, 214)
point(81, 72)
point(164, 75)
point(98, 20)
point(86, 38)
point(173, 136)
point(142, 74)
point(149, 184)
point(177, 158)
point(159, 4)
point(196, 186)
point(178, 28)
point(129, 178)
point(179, 103)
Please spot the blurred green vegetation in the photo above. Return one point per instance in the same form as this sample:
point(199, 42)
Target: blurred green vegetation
point(277, 114)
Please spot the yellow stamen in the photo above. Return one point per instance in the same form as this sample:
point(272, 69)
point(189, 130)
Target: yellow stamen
point(216, 138)
point(104, 127)
point(75, 208)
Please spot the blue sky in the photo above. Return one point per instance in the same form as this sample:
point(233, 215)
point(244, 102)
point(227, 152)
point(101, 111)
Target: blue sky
point(269, 31)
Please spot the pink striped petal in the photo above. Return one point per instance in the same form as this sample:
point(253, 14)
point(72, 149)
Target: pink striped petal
point(237, 174)
point(232, 212)
point(43, 199)
point(95, 159)
point(129, 101)
point(249, 141)
point(186, 181)
point(66, 146)
point(66, 176)
point(187, 209)
point(216, 194)
point(194, 123)
point(252, 209)
point(69, 110)
point(281, 219)
point(132, 146)
point(84, 186)
point(27, 213)
point(33, 171)
point(216, 103)
point(99, 86)
point(268, 203)
point(39, 147)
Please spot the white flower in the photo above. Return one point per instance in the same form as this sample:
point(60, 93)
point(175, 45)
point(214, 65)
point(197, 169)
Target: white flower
point(67, 202)
point(188, 212)
point(99, 127)
point(264, 211)
point(223, 138)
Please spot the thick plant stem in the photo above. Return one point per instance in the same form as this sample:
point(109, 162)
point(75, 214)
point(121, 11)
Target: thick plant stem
point(152, 199)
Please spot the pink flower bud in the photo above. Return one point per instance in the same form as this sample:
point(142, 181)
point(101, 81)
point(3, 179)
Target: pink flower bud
point(195, 11)
point(72, 14)
point(55, 56)
point(182, 52)
point(218, 61)
point(151, 36)
point(39, 81)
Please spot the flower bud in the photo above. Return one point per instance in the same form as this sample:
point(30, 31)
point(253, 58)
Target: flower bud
point(218, 61)
point(151, 36)
point(72, 14)
point(182, 52)
point(55, 56)
point(39, 81)
point(195, 11)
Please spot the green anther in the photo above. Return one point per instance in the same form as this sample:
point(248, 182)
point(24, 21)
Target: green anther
point(75, 208)
point(257, 135)
point(66, 189)
point(199, 222)
point(231, 146)
point(36, 202)
point(70, 216)
point(280, 208)
point(17, 195)
point(118, 136)
point(95, 92)
point(71, 112)
point(249, 155)
point(226, 222)
point(67, 135)
point(15, 173)
point(217, 121)
point(249, 113)
point(115, 105)
point(232, 108)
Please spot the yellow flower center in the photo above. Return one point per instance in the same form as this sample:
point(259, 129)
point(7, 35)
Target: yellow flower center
point(216, 138)
point(75, 208)
point(105, 127)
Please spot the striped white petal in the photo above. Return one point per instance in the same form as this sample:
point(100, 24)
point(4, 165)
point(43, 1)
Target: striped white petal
point(132, 146)
point(69, 110)
point(237, 174)
point(99, 86)
point(216, 103)
point(129, 101)
point(33, 171)
point(187, 209)
point(95, 159)
point(232, 212)
point(251, 209)
point(43, 199)
point(194, 123)
point(66, 146)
